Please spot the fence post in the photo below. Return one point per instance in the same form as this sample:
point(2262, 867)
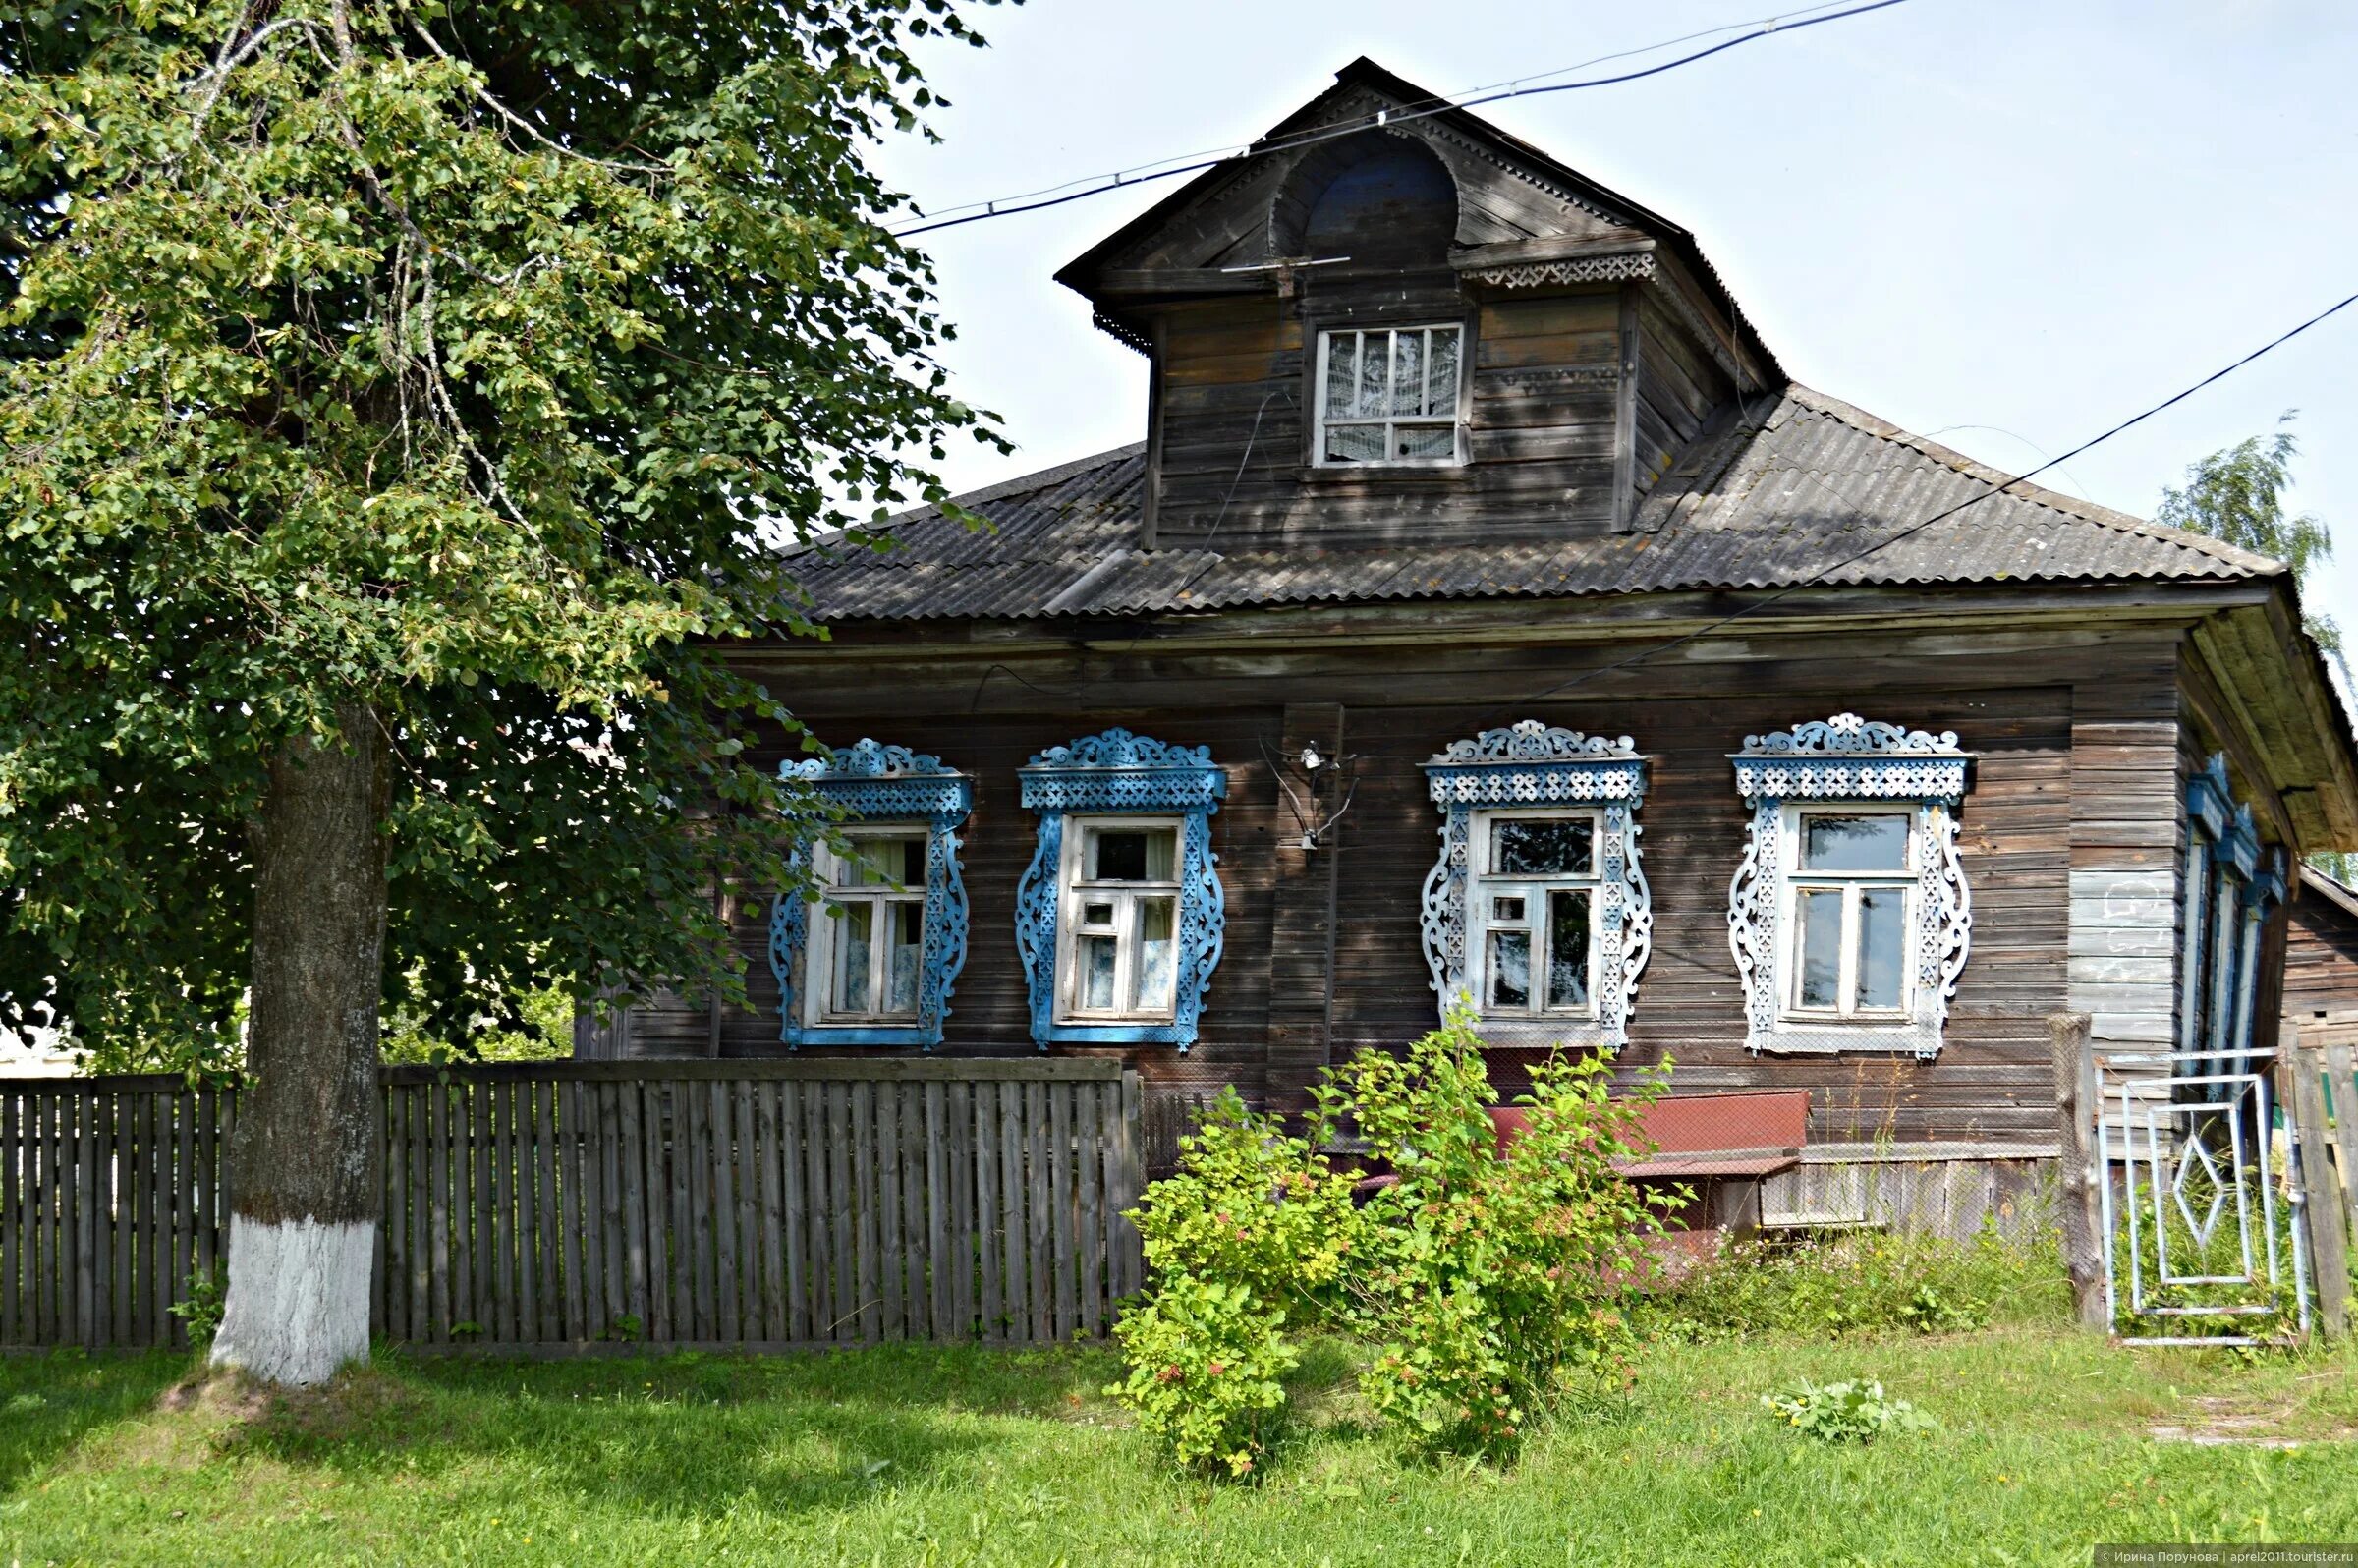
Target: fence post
point(2077, 1107)
point(2328, 1223)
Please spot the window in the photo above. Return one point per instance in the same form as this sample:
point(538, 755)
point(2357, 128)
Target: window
point(1849, 915)
point(1122, 913)
point(1389, 395)
point(1536, 912)
point(1120, 917)
point(872, 944)
point(2232, 883)
point(872, 960)
point(1535, 901)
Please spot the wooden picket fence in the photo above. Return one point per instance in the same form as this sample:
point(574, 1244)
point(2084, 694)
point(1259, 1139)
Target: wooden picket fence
point(544, 1204)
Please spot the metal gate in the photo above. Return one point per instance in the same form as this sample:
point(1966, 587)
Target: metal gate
point(2203, 1240)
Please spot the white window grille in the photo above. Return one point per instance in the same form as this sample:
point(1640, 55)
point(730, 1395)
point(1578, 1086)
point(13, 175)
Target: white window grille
point(1390, 395)
point(1120, 957)
point(1535, 913)
point(868, 943)
point(1849, 914)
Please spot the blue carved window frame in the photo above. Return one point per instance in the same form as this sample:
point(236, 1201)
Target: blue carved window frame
point(1118, 773)
point(1849, 760)
point(871, 782)
point(2233, 884)
point(1532, 764)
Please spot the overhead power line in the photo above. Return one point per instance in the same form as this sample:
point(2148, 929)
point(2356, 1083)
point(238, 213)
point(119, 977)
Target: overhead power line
point(1532, 87)
point(1820, 578)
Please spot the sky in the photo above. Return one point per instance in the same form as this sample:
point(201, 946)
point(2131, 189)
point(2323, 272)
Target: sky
point(2001, 223)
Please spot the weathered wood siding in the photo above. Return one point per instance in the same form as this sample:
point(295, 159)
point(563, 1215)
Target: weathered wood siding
point(2320, 958)
point(1232, 455)
point(2073, 798)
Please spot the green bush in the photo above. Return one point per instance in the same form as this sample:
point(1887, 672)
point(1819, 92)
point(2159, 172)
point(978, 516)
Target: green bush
point(1845, 1413)
point(1489, 1284)
point(1485, 1286)
point(1205, 1360)
point(1862, 1282)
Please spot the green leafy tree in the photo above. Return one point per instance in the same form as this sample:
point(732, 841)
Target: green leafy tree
point(2237, 494)
point(400, 404)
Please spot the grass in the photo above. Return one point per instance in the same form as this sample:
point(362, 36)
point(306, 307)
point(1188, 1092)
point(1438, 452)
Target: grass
point(961, 1456)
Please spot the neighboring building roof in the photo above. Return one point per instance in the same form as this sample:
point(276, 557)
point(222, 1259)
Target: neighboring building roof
point(2333, 891)
point(1797, 489)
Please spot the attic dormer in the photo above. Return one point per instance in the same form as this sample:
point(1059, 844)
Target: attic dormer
point(1392, 325)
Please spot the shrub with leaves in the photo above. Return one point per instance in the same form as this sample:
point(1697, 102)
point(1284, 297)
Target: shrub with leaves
point(1205, 1359)
point(1490, 1277)
point(1847, 1412)
point(1487, 1282)
point(1246, 1240)
point(1252, 1205)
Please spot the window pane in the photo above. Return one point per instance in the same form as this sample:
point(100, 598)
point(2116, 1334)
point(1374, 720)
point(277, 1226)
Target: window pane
point(1568, 947)
point(1375, 373)
point(877, 861)
point(1342, 372)
point(853, 926)
point(1507, 911)
point(1097, 973)
point(1542, 846)
point(1117, 856)
point(1441, 374)
point(1096, 914)
point(1425, 442)
point(1134, 855)
point(904, 953)
point(1157, 954)
point(1354, 443)
point(1408, 372)
point(1820, 949)
point(1882, 945)
point(1509, 970)
point(1877, 843)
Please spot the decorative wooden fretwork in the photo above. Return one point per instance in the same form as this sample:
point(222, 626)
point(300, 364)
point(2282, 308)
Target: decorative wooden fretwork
point(1572, 269)
point(1848, 759)
point(873, 782)
point(1118, 772)
point(1529, 763)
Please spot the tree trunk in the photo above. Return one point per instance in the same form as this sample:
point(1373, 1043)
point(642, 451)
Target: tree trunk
point(307, 1161)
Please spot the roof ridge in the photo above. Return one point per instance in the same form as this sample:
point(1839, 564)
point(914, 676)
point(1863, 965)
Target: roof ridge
point(2039, 496)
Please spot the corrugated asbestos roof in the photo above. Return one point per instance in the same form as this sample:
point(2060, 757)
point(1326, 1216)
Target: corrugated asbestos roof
point(1794, 491)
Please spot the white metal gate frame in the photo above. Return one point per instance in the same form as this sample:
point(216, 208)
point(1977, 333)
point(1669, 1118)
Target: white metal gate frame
point(2169, 1156)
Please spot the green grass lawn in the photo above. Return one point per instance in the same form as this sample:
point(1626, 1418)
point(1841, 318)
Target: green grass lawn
point(947, 1456)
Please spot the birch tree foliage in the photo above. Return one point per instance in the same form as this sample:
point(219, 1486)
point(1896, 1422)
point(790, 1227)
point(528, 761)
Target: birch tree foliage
point(453, 364)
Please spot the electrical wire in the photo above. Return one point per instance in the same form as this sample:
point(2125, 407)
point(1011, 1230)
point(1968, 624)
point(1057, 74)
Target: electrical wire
point(1517, 87)
point(1139, 171)
point(1819, 578)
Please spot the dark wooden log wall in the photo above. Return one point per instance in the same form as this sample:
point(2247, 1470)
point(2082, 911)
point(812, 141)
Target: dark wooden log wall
point(2059, 788)
point(2320, 958)
point(1233, 430)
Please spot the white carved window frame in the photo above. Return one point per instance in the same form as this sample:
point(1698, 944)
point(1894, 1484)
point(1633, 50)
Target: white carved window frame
point(1530, 768)
point(1849, 760)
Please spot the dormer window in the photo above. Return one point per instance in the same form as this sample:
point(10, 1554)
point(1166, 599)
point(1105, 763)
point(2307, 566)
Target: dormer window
point(1390, 395)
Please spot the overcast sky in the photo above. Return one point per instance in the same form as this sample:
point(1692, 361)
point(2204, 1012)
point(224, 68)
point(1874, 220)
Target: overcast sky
point(2004, 223)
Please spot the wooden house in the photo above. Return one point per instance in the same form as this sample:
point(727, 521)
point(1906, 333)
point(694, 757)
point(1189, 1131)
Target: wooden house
point(2321, 951)
point(1486, 613)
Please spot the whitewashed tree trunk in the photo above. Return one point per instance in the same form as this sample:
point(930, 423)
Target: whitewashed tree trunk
point(305, 1161)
